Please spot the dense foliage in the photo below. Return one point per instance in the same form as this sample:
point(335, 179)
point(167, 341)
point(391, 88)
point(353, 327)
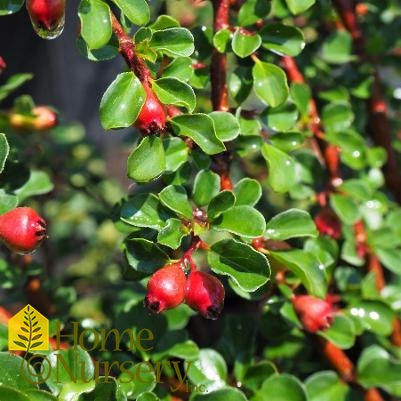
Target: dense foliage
point(263, 157)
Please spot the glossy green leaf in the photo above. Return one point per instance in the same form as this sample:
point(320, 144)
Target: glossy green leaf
point(107, 52)
point(136, 11)
point(144, 210)
point(12, 371)
point(39, 183)
point(200, 128)
point(247, 192)
point(326, 386)
point(337, 48)
point(282, 118)
point(248, 268)
point(137, 380)
point(283, 387)
point(172, 233)
point(282, 39)
point(173, 91)
point(8, 7)
point(39, 395)
point(179, 68)
point(223, 394)
point(306, 267)
point(4, 151)
point(95, 22)
point(7, 201)
point(270, 83)
point(245, 43)
point(257, 373)
point(287, 141)
point(337, 117)
point(341, 332)
point(390, 259)
point(375, 316)
point(10, 393)
point(222, 202)
point(291, 223)
point(13, 83)
point(164, 21)
point(107, 388)
point(301, 94)
point(176, 152)
point(143, 257)
point(225, 124)
point(148, 396)
point(147, 161)
point(346, 208)
point(281, 168)
point(122, 101)
point(173, 42)
point(299, 6)
point(175, 198)
point(376, 368)
point(222, 39)
point(241, 220)
point(206, 187)
point(209, 370)
point(73, 361)
point(252, 11)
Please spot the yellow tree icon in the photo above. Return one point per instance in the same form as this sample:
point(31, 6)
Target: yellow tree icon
point(28, 330)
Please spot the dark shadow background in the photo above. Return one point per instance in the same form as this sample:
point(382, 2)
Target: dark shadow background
point(63, 78)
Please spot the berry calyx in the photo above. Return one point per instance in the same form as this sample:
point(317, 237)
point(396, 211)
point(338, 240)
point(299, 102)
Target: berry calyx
point(314, 313)
point(42, 119)
point(47, 17)
point(22, 229)
point(205, 294)
point(152, 117)
point(327, 223)
point(166, 288)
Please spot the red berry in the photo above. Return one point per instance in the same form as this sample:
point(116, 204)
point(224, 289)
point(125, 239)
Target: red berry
point(166, 288)
point(205, 294)
point(47, 17)
point(22, 229)
point(315, 313)
point(152, 117)
point(327, 223)
point(42, 119)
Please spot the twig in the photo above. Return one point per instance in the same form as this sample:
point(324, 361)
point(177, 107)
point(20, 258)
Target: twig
point(326, 153)
point(128, 51)
point(378, 125)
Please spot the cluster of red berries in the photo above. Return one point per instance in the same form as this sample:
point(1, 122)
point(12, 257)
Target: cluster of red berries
point(169, 287)
point(22, 229)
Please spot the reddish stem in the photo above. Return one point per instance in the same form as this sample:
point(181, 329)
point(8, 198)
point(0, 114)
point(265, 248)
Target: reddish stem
point(326, 152)
point(339, 360)
point(187, 259)
point(128, 51)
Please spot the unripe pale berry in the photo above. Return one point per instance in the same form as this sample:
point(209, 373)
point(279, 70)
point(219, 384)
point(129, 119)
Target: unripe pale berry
point(328, 223)
point(42, 119)
point(22, 229)
point(314, 313)
point(166, 288)
point(152, 117)
point(205, 294)
point(47, 17)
